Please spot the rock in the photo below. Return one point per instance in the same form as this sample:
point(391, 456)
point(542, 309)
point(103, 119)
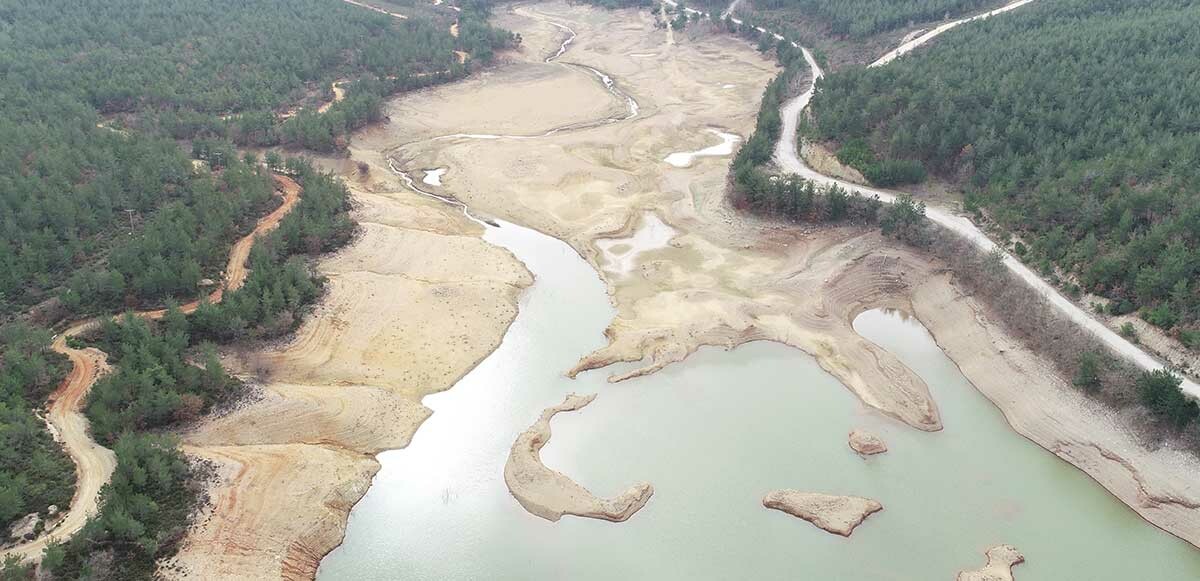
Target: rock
point(866, 443)
point(839, 515)
point(52, 510)
point(1000, 561)
point(549, 494)
point(25, 526)
point(206, 282)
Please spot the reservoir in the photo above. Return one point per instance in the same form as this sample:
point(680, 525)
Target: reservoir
point(713, 435)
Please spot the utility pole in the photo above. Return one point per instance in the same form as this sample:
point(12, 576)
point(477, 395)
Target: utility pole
point(130, 212)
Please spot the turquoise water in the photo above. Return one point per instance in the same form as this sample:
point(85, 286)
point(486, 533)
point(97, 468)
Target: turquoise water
point(714, 434)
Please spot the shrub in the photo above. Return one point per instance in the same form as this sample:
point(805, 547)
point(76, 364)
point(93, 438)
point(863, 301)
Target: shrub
point(1159, 392)
point(1190, 338)
point(894, 172)
point(1087, 377)
point(1160, 316)
point(856, 154)
point(905, 219)
point(1128, 332)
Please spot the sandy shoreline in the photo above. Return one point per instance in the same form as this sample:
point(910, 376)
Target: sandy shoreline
point(420, 298)
point(415, 302)
point(1153, 482)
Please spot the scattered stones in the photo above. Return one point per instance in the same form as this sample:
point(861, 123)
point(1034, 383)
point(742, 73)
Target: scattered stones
point(24, 526)
point(839, 515)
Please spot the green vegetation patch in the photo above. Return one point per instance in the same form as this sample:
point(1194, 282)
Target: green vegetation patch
point(860, 18)
point(890, 172)
point(92, 98)
point(35, 473)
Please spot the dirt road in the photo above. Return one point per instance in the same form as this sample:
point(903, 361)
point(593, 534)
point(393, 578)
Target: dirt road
point(339, 93)
point(911, 43)
point(94, 464)
point(788, 158)
point(730, 10)
point(376, 9)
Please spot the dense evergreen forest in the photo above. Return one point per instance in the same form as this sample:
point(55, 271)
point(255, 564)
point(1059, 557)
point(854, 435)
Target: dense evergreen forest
point(854, 32)
point(72, 73)
point(1073, 125)
point(167, 374)
point(121, 188)
point(146, 510)
point(184, 241)
point(860, 18)
point(219, 56)
point(34, 471)
point(226, 67)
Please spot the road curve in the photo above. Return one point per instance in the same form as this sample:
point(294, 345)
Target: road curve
point(94, 464)
point(926, 37)
point(732, 7)
point(788, 159)
point(376, 9)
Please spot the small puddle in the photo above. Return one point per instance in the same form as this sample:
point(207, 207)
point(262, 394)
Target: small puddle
point(620, 254)
point(433, 177)
point(686, 158)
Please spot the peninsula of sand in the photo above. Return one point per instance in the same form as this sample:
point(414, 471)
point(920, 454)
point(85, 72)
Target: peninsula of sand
point(550, 494)
point(419, 298)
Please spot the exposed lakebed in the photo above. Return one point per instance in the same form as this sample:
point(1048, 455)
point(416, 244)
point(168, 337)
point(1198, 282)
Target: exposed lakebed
point(713, 435)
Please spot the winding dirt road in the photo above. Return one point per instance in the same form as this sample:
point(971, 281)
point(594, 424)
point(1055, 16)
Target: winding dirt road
point(788, 158)
point(94, 464)
point(730, 10)
point(912, 43)
point(376, 9)
point(339, 93)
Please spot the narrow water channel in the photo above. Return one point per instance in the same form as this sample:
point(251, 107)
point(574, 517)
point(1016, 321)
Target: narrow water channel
point(713, 435)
